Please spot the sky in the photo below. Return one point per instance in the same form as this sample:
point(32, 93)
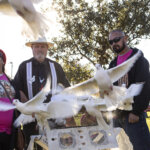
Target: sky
point(13, 42)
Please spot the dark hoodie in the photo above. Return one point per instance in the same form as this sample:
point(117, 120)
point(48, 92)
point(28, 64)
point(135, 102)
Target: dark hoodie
point(138, 73)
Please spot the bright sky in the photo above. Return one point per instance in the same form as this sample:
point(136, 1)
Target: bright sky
point(13, 43)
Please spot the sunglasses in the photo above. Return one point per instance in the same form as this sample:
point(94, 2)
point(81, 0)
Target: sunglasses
point(115, 40)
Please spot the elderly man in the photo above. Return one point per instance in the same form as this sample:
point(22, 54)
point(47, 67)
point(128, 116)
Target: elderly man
point(32, 74)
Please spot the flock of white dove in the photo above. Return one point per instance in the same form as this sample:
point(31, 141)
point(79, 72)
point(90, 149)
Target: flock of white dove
point(96, 94)
point(69, 101)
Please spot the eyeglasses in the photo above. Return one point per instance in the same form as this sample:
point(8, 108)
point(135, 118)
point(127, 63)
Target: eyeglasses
point(115, 40)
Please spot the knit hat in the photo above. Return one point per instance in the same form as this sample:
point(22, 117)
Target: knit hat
point(3, 56)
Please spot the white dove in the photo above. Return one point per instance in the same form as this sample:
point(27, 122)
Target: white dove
point(25, 8)
point(26, 108)
point(103, 80)
point(63, 106)
point(119, 98)
point(106, 78)
point(54, 109)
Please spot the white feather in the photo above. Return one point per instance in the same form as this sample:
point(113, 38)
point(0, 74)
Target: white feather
point(85, 88)
point(119, 98)
point(117, 72)
point(63, 109)
point(36, 1)
point(23, 119)
point(30, 106)
point(103, 80)
point(106, 78)
point(54, 109)
point(38, 23)
point(6, 106)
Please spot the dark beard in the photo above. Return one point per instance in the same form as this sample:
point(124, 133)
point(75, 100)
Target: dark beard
point(120, 49)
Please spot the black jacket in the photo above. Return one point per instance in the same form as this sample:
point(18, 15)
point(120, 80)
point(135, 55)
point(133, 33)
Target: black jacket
point(39, 70)
point(138, 73)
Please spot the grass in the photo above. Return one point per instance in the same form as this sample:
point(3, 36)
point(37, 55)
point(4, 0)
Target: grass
point(148, 119)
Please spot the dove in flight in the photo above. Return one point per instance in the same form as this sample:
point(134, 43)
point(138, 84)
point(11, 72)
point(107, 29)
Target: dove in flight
point(103, 79)
point(25, 107)
point(106, 78)
point(52, 110)
point(37, 22)
point(120, 98)
point(63, 106)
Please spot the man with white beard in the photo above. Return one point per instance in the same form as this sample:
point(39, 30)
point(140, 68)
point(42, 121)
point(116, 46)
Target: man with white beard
point(32, 75)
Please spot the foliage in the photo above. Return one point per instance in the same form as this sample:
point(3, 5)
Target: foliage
point(76, 72)
point(85, 29)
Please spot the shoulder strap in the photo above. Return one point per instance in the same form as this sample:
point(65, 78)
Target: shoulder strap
point(29, 79)
point(54, 77)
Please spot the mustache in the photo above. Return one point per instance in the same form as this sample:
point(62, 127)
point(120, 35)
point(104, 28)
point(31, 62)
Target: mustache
point(40, 55)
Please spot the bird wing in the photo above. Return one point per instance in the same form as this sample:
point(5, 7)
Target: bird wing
point(116, 99)
point(127, 100)
point(85, 88)
point(100, 104)
point(95, 109)
point(6, 106)
point(117, 72)
point(134, 90)
point(36, 1)
point(41, 96)
point(23, 8)
point(23, 119)
point(36, 21)
point(6, 8)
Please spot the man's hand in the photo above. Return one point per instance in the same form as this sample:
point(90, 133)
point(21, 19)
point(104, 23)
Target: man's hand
point(23, 97)
point(33, 115)
point(133, 118)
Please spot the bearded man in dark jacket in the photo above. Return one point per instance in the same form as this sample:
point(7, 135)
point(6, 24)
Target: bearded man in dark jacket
point(133, 122)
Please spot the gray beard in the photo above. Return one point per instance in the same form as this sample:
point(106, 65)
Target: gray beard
point(40, 56)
